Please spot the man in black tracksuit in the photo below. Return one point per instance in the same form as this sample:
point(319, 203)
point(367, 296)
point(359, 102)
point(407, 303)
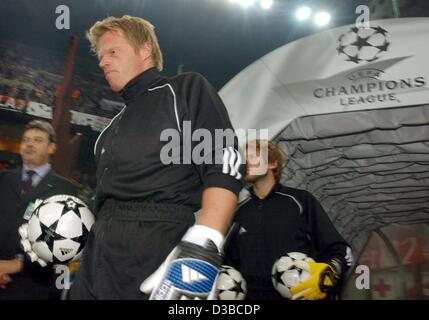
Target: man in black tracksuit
point(152, 173)
point(276, 220)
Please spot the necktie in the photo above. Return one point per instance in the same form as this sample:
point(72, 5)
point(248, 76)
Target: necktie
point(28, 183)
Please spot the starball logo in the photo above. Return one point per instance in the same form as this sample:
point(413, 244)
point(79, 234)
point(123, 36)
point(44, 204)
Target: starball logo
point(360, 45)
point(370, 81)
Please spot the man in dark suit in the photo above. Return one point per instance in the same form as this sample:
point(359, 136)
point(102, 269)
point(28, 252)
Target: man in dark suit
point(19, 278)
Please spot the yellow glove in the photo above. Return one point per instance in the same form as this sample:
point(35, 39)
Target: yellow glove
point(73, 266)
point(322, 278)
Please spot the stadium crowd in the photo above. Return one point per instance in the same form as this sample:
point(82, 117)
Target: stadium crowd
point(30, 73)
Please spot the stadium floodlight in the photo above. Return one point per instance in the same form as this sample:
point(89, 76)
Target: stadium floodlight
point(266, 4)
point(322, 18)
point(303, 13)
point(246, 3)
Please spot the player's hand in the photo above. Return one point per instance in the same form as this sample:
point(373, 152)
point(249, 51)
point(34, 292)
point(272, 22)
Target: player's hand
point(7, 269)
point(322, 279)
point(4, 280)
point(190, 270)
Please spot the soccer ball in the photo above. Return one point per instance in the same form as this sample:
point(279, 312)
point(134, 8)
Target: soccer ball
point(286, 274)
point(57, 230)
point(362, 44)
point(230, 284)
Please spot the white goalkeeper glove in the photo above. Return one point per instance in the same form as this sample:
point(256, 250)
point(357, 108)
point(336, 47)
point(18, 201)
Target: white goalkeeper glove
point(26, 246)
point(190, 270)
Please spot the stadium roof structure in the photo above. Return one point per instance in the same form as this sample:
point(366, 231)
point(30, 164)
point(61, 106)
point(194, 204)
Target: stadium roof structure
point(350, 109)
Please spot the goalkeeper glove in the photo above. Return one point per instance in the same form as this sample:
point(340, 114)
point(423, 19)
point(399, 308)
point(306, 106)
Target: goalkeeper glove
point(26, 246)
point(190, 270)
point(323, 278)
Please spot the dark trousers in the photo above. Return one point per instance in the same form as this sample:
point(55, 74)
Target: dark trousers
point(259, 288)
point(128, 242)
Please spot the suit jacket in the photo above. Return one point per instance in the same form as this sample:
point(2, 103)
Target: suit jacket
point(12, 209)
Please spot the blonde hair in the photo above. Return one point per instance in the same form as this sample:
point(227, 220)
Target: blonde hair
point(136, 30)
point(275, 155)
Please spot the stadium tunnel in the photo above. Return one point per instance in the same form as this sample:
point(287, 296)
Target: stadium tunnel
point(365, 158)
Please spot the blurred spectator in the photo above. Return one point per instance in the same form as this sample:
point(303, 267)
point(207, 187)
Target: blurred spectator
point(8, 164)
point(33, 74)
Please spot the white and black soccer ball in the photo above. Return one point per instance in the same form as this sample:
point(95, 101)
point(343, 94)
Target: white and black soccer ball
point(286, 274)
point(57, 230)
point(230, 284)
point(361, 45)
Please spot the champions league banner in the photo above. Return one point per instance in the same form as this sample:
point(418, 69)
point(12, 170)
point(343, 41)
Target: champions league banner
point(338, 70)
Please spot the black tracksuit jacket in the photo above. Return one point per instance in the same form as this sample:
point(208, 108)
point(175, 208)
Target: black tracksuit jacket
point(287, 220)
point(128, 151)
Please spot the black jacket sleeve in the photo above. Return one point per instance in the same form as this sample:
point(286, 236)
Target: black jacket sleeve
point(231, 253)
point(328, 244)
point(216, 154)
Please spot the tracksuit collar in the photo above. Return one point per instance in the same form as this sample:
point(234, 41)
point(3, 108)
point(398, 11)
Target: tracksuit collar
point(277, 186)
point(140, 84)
